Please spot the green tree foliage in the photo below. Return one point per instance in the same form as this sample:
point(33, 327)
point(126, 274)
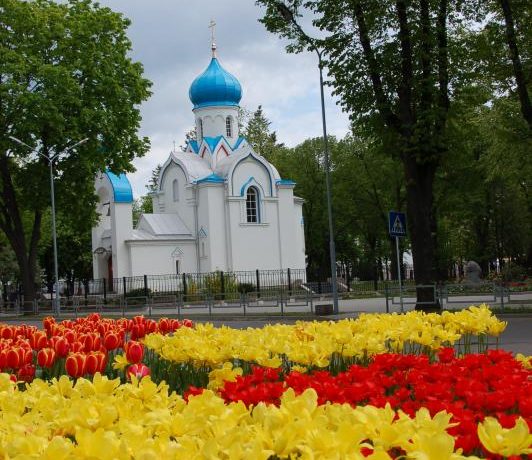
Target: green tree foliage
point(65, 74)
point(257, 133)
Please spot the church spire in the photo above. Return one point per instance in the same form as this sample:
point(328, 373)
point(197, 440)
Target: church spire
point(212, 25)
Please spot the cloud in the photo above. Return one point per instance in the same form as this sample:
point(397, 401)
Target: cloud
point(172, 40)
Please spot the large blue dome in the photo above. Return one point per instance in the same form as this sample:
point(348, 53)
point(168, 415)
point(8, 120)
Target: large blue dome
point(215, 87)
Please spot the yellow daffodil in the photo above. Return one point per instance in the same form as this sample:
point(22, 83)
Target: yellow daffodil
point(505, 441)
point(120, 362)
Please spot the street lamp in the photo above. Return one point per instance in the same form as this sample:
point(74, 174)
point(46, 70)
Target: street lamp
point(288, 16)
point(51, 159)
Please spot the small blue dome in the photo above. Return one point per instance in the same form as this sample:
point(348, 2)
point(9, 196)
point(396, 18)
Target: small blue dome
point(214, 87)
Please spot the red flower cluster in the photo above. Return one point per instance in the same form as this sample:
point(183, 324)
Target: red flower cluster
point(471, 388)
point(76, 347)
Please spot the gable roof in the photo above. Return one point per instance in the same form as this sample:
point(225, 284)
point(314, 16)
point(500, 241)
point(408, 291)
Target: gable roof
point(163, 225)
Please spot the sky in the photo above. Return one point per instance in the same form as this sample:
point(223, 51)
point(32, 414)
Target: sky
point(172, 39)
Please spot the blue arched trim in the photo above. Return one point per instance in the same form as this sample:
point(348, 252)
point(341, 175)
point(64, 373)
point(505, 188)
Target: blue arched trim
point(260, 163)
point(121, 187)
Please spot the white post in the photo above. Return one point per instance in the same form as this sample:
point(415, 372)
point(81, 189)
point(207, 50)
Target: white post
point(399, 273)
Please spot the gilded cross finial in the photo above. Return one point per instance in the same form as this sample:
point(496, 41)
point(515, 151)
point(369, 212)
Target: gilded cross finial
point(212, 25)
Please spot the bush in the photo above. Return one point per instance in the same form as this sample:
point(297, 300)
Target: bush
point(244, 288)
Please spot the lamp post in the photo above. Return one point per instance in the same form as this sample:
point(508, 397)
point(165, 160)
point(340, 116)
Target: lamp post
point(288, 16)
point(51, 159)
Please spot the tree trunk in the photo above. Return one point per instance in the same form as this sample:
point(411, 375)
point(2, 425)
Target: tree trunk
point(420, 199)
point(511, 41)
point(11, 224)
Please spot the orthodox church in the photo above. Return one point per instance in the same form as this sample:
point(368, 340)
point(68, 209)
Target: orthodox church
point(219, 205)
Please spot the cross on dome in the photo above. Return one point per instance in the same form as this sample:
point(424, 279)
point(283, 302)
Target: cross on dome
point(212, 26)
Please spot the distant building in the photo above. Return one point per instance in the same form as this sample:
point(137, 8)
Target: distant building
point(219, 205)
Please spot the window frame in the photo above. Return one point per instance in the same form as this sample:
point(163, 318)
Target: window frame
point(253, 206)
point(229, 126)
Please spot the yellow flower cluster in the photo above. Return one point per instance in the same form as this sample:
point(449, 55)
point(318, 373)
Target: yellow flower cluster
point(102, 419)
point(316, 343)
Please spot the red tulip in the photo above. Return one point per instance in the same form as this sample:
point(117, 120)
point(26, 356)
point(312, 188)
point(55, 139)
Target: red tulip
point(13, 360)
point(138, 331)
point(91, 363)
point(3, 359)
point(164, 325)
point(61, 346)
point(6, 332)
point(38, 340)
point(138, 370)
point(134, 351)
point(46, 357)
point(75, 365)
point(26, 373)
point(188, 323)
point(70, 336)
point(111, 341)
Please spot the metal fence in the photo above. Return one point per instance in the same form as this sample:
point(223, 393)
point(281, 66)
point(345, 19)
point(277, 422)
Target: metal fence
point(264, 292)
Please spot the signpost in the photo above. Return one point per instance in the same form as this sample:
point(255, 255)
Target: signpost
point(397, 229)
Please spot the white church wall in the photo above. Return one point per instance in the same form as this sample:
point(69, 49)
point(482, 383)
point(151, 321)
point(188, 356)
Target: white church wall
point(122, 218)
point(291, 229)
point(213, 122)
point(254, 245)
point(211, 226)
point(159, 258)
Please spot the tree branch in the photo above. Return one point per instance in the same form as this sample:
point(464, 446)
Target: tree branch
point(383, 104)
point(520, 79)
point(405, 86)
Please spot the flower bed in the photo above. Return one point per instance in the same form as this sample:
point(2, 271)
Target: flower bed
point(379, 387)
point(79, 347)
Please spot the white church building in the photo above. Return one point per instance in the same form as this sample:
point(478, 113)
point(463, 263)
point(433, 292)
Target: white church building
point(219, 205)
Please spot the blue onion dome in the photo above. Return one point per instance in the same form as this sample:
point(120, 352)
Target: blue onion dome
point(215, 87)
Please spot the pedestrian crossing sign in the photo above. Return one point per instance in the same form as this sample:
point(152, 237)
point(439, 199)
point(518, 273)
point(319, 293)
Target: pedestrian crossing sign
point(397, 223)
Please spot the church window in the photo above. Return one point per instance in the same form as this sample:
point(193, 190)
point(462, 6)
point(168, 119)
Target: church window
point(177, 267)
point(175, 190)
point(200, 128)
point(228, 127)
point(252, 206)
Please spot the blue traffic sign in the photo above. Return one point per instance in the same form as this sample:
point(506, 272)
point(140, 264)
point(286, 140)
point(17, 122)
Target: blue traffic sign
point(397, 223)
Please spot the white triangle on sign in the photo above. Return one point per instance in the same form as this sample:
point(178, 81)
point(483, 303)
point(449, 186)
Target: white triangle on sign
point(398, 226)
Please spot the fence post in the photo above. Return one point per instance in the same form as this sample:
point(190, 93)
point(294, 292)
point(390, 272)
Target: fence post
point(124, 285)
point(502, 296)
point(258, 282)
point(289, 283)
point(222, 283)
point(146, 286)
point(184, 284)
point(386, 294)
point(104, 291)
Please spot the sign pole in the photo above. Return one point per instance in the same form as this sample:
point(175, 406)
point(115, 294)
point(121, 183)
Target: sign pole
point(399, 273)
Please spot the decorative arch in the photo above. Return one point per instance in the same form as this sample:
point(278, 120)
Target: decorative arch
point(262, 163)
point(171, 160)
point(251, 182)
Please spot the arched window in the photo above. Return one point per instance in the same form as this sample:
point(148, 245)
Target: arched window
point(228, 127)
point(175, 190)
point(200, 128)
point(252, 206)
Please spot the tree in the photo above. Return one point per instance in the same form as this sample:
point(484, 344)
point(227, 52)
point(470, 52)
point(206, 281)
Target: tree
point(65, 74)
point(389, 63)
point(257, 133)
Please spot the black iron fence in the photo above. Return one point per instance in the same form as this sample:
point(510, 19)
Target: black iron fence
point(264, 291)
